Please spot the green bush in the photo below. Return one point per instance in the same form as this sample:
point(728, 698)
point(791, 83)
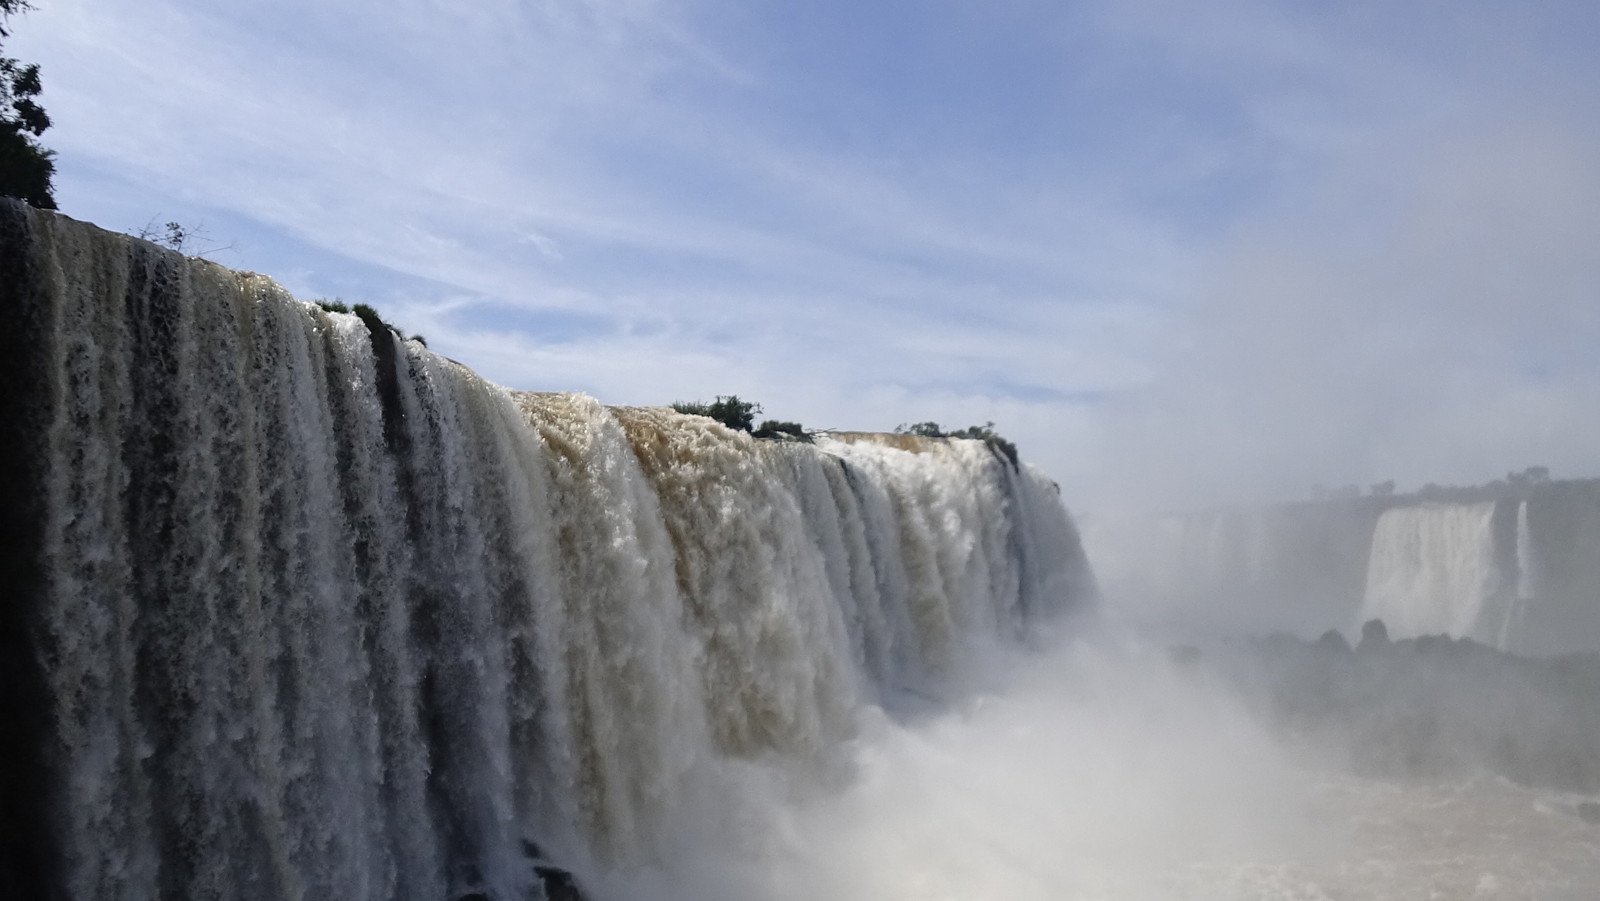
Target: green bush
point(369, 315)
point(984, 433)
point(728, 409)
point(691, 408)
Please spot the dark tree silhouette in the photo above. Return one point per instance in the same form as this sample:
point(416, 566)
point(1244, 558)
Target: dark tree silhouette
point(26, 167)
point(728, 409)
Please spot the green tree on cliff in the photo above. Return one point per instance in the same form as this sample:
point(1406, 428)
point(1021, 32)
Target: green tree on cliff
point(26, 167)
point(736, 414)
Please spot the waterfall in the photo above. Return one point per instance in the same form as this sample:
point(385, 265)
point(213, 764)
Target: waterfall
point(1433, 570)
point(1527, 577)
point(307, 611)
point(1513, 632)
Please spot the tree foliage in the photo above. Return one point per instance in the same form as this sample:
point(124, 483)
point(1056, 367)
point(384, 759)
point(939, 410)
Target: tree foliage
point(727, 409)
point(26, 167)
point(368, 315)
point(740, 415)
point(984, 433)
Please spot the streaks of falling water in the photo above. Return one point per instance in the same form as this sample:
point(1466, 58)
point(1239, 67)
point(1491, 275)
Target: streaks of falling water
point(325, 615)
point(1433, 569)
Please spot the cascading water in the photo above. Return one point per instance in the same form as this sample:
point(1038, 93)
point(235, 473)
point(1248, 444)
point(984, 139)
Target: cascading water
point(1513, 630)
point(306, 611)
point(1433, 570)
point(1515, 568)
point(1527, 578)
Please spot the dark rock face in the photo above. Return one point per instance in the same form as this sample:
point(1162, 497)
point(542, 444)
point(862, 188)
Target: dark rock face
point(30, 856)
point(559, 885)
point(556, 883)
point(1374, 635)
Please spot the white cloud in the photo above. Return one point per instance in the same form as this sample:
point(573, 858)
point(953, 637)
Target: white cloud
point(1449, 341)
point(1238, 244)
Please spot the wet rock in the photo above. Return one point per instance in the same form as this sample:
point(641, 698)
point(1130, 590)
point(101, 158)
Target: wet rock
point(1374, 635)
point(559, 885)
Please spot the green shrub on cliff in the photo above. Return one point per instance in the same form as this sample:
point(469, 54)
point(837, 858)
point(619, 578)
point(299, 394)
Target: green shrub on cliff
point(984, 433)
point(727, 409)
point(369, 315)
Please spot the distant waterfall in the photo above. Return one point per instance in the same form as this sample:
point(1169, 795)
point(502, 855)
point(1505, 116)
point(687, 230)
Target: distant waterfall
point(1515, 568)
point(1527, 577)
point(306, 611)
point(1513, 633)
point(1433, 570)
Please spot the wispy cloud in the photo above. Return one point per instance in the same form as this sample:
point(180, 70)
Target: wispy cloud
point(1163, 245)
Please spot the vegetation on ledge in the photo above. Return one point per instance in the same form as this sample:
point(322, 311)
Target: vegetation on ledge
point(740, 415)
point(369, 315)
point(727, 409)
point(984, 433)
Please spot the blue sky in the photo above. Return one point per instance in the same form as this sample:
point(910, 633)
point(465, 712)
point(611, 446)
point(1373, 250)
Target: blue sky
point(1178, 251)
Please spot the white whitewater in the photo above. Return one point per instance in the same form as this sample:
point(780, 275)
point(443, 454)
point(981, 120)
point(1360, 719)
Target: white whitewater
point(1512, 633)
point(1433, 571)
point(328, 616)
point(1527, 577)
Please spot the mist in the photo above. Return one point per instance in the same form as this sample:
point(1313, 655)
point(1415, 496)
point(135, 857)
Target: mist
point(1111, 767)
point(1377, 696)
point(1194, 260)
point(1423, 315)
point(1089, 770)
